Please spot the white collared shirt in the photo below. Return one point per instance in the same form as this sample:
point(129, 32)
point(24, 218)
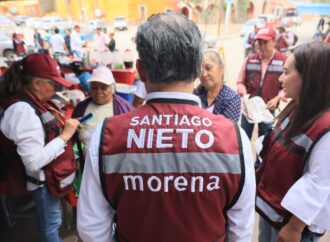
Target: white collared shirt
point(309, 198)
point(57, 43)
point(21, 125)
point(75, 41)
point(95, 214)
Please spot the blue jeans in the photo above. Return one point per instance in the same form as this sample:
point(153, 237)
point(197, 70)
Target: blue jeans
point(267, 233)
point(76, 53)
point(48, 213)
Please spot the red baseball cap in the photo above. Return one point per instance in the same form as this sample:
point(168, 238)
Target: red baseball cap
point(77, 26)
point(42, 65)
point(266, 34)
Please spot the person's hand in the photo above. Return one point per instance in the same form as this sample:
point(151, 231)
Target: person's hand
point(241, 89)
point(272, 104)
point(288, 234)
point(74, 102)
point(292, 231)
point(70, 127)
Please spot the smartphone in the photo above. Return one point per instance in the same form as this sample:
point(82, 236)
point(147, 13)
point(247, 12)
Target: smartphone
point(86, 118)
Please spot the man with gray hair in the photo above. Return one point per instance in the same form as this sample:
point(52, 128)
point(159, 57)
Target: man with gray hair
point(168, 171)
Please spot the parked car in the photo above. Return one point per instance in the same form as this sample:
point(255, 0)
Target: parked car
point(49, 23)
point(6, 45)
point(249, 25)
point(120, 23)
point(289, 21)
point(209, 40)
point(20, 20)
point(271, 21)
point(93, 24)
point(6, 22)
point(33, 22)
point(290, 17)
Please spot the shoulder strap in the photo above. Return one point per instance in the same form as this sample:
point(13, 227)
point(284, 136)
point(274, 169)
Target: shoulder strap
point(242, 161)
point(102, 181)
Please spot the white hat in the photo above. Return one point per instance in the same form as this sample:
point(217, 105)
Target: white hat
point(102, 74)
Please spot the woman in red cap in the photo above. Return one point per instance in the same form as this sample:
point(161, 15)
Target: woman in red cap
point(35, 138)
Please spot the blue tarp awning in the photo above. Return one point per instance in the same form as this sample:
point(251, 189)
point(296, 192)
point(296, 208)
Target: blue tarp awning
point(313, 8)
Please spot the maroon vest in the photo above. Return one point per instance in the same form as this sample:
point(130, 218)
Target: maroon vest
point(283, 164)
point(171, 172)
point(60, 173)
point(281, 45)
point(270, 86)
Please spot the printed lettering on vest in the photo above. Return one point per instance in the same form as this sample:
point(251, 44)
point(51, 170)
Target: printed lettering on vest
point(195, 172)
point(144, 139)
point(179, 183)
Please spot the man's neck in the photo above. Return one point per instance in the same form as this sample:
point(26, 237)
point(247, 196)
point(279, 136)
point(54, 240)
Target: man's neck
point(267, 56)
point(175, 86)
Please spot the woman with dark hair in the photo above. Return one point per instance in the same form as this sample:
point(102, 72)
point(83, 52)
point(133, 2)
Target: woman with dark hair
point(19, 44)
point(35, 140)
point(215, 96)
point(293, 182)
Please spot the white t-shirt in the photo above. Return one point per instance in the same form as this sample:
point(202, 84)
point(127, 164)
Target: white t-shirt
point(57, 43)
point(100, 112)
point(75, 41)
point(309, 198)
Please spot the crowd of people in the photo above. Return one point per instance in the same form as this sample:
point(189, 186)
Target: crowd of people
point(65, 42)
point(179, 166)
point(284, 39)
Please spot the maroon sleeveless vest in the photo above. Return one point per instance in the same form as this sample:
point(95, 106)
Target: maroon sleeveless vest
point(171, 172)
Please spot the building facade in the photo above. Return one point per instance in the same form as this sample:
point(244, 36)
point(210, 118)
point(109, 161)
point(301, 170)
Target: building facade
point(133, 10)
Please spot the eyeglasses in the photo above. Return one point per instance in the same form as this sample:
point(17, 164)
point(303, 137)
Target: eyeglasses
point(57, 86)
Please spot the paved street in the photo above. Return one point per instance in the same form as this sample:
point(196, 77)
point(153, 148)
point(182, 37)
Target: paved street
point(233, 57)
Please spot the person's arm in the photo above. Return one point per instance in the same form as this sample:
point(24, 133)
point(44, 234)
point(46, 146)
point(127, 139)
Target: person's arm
point(246, 43)
point(21, 125)
point(241, 215)
point(64, 46)
point(95, 215)
point(273, 103)
point(313, 189)
point(241, 85)
point(290, 38)
point(292, 231)
point(285, 38)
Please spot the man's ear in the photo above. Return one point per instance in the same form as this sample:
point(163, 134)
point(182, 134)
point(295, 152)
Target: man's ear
point(141, 70)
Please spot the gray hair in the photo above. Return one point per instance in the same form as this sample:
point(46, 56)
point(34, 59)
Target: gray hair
point(170, 48)
point(213, 55)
